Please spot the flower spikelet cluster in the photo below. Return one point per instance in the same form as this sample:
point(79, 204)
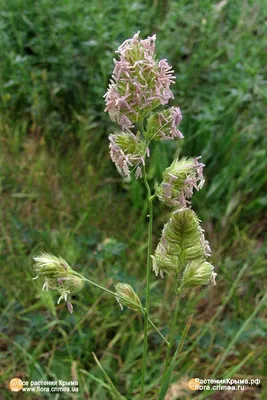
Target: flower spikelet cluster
point(139, 84)
point(58, 276)
point(130, 298)
point(127, 151)
point(179, 181)
point(198, 273)
point(182, 249)
point(163, 125)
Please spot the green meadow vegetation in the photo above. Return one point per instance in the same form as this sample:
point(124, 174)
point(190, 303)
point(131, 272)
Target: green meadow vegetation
point(60, 193)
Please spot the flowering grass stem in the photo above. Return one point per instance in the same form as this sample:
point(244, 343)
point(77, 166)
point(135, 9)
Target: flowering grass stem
point(122, 298)
point(107, 290)
point(148, 279)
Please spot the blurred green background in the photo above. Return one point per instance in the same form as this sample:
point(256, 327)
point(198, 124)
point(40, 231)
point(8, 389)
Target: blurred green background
point(60, 192)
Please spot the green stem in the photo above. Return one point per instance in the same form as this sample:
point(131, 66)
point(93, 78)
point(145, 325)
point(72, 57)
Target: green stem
point(156, 329)
point(172, 335)
point(122, 298)
point(148, 279)
point(167, 379)
point(108, 291)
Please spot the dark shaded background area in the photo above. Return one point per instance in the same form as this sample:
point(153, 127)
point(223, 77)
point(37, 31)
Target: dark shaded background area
point(60, 192)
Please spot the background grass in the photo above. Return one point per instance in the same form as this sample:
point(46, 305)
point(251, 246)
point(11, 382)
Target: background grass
point(60, 192)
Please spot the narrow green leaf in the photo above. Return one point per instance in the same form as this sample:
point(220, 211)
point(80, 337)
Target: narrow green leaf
point(167, 379)
point(232, 371)
point(241, 330)
point(114, 392)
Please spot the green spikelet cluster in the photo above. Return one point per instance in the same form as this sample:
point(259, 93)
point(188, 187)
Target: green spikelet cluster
point(51, 267)
point(183, 236)
point(182, 250)
point(130, 144)
point(197, 273)
point(128, 152)
point(180, 179)
point(58, 276)
point(130, 298)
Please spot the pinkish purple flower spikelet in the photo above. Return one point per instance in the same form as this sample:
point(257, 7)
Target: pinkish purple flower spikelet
point(128, 150)
point(139, 82)
point(179, 181)
point(163, 124)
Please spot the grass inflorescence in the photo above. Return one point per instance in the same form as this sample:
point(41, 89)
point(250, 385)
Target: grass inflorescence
point(60, 193)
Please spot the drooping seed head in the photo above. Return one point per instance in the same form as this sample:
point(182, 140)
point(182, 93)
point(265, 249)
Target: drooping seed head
point(58, 276)
point(50, 266)
point(126, 291)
